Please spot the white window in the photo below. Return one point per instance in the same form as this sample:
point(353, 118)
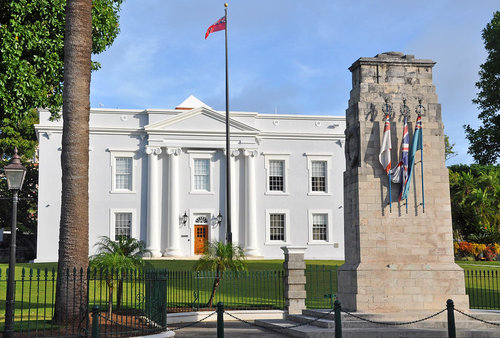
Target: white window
point(320, 227)
point(201, 164)
point(201, 174)
point(122, 223)
point(318, 167)
point(277, 171)
point(277, 227)
point(122, 171)
point(318, 176)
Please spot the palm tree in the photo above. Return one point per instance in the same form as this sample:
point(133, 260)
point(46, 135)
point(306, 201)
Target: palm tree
point(73, 233)
point(117, 256)
point(221, 257)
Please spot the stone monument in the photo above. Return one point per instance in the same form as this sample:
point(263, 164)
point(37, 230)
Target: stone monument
point(398, 256)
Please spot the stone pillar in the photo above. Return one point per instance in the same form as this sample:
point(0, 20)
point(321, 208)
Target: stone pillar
point(173, 248)
point(154, 231)
point(235, 227)
point(251, 205)
point(399, 260)
point(295, 279)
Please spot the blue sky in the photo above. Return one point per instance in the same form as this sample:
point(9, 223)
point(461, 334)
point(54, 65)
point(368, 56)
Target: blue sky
point(289, 57)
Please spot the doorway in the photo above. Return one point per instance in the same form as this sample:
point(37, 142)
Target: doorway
point(200, 234)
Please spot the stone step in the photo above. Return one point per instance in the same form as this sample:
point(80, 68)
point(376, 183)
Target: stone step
point(325, 323)
point(308, 331)
point(290, 328)
point(438, 322)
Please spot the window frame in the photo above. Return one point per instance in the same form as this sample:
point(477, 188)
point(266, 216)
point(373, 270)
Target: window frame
point(112, 222)
point(287, 227)
point(114, 154)
point(202, 155)
point(329, 227)
point(286, 163)
point(319, 158)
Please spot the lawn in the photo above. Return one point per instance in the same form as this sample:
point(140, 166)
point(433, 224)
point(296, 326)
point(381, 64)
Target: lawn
point(188, 290)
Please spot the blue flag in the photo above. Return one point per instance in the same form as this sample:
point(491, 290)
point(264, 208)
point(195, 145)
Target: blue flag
point(415, 145)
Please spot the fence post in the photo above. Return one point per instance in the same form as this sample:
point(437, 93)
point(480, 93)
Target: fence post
point(451, 319)
point(95, 321)
point(338, 319)
point(220, 320)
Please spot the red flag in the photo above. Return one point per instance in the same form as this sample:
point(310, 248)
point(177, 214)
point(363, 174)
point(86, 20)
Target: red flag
point(218, 26)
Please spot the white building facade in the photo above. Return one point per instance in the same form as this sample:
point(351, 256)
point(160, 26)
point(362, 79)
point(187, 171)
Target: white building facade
point(160, 176)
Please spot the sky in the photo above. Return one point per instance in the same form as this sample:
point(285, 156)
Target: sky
point(289, 57)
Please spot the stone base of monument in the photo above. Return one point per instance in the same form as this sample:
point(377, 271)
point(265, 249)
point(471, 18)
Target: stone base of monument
point(320, 323)
point(400, 288)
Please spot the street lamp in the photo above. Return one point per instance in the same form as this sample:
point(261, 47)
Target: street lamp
point(15, 173)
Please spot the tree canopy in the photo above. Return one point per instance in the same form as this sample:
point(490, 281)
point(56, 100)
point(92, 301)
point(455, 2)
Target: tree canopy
point(32, 63)
point(485, 141)
point(475, 200)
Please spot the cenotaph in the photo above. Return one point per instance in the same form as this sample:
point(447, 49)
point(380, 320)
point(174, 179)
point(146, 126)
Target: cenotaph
point(399, 254)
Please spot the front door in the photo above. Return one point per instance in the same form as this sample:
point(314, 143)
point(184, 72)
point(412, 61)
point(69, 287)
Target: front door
point(200, 238)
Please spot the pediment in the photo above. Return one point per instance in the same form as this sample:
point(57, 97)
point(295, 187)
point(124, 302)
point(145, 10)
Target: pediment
point(199, 119)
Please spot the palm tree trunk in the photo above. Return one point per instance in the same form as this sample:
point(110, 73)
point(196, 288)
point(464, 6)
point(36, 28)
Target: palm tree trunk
point(214, 288)
point(73, 233)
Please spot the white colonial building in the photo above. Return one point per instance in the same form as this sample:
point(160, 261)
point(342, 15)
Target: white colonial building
point(159, 176)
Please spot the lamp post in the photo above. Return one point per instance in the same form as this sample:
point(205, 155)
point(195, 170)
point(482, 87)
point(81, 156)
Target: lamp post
point(15, 173)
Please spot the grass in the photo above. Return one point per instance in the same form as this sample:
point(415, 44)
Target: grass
point(190, 291)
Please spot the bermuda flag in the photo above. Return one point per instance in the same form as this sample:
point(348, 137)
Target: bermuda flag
point(415, 145)
point(218, 26)
point(385, 150)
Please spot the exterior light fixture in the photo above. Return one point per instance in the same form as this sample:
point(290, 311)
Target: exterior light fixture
point(219, 218)
point(184, 218)
point(15, 173)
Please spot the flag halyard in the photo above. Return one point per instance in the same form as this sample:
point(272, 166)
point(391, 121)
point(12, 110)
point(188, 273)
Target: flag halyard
point(218, 26)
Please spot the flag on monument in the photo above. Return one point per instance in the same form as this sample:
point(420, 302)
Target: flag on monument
point(415, 145)
point(218, 26)
point(385, 149)
point(400, 173)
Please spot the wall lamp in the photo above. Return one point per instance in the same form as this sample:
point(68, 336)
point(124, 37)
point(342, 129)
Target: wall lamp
point(184, 218)
point(219, 218)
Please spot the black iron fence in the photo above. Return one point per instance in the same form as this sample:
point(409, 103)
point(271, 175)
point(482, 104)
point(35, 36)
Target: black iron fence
point(132, 302)
point(483, 288)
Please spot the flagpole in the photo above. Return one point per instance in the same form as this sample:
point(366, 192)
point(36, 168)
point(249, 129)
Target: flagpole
point(390, 193)
point(229, 234)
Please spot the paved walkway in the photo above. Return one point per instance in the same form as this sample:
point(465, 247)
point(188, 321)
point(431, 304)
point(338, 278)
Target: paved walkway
point(231, 330)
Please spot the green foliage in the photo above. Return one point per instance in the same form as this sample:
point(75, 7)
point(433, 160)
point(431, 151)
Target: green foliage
point(221, 257)
point(475, 200)
point(448, 148)
point(125, 253)
point(32, 60)
point(485, 141)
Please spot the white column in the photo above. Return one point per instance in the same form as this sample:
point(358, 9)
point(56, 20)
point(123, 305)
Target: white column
point(154, 231)
point(173, 247)
point(235, 228)
point(251, 205)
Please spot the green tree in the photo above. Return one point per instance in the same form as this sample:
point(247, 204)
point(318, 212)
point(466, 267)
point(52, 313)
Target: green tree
point(485, 141)
point(448, 148)
point(475, 200)
point(220, 257)
point(32, 62)
point(115, 257)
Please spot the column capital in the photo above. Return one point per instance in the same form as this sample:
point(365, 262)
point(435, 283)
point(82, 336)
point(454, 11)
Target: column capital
point(153, 150)
point(235, 152)
point(174, 151)
point(251, 153)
